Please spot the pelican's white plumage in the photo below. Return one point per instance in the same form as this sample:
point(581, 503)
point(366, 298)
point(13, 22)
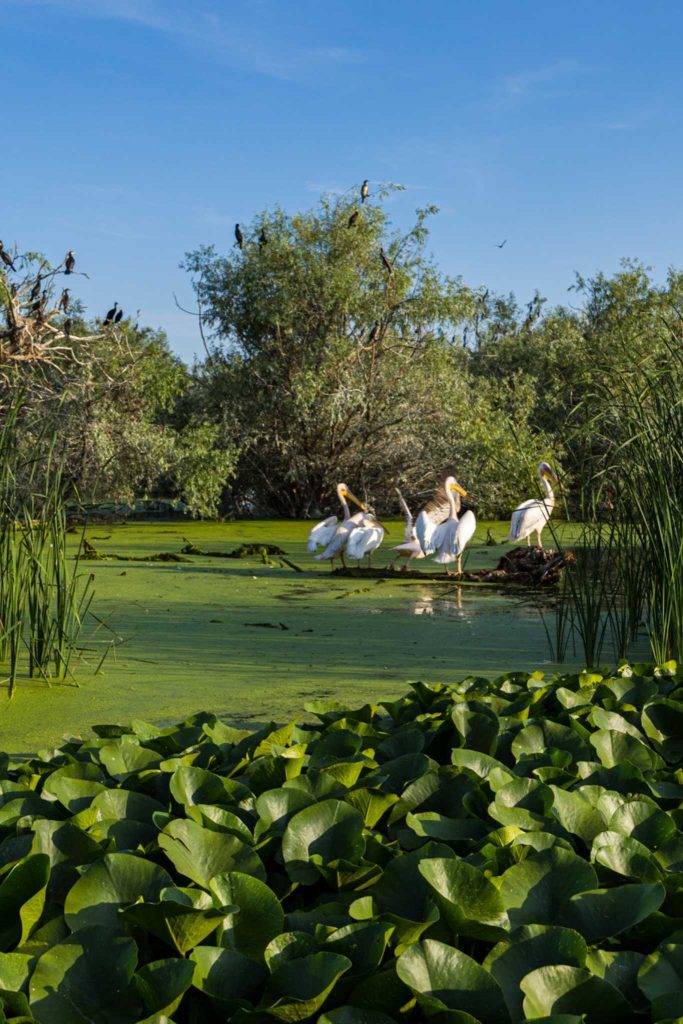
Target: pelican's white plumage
point(531, 516)
point(456, 535)
point(365, 539)
point(449, 539)
point(333, 535)
point(322, 533)
point(410, 546)
point(431, 517)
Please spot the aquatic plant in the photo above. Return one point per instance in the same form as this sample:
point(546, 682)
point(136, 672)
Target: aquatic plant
point(492, 852)
point(43, 600)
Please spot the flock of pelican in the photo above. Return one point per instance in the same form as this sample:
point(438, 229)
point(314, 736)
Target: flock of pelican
point(437, 531)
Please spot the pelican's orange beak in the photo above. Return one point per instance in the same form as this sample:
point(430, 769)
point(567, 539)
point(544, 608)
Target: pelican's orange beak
point(459, 489)
point(352, 497)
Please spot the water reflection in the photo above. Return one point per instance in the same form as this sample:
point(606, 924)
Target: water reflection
point(449, 605)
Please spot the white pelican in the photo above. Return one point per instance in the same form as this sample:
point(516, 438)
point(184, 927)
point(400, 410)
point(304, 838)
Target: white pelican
point(531, 516)
point(447, 538)
point(410, 548)
point(365, 539)
point(331, 534)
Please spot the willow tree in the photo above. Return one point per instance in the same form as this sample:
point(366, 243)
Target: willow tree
point(329, 332)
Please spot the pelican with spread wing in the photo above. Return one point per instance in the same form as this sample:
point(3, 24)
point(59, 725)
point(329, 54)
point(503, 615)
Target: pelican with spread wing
point(532, 515)
point(365, 538)
point(439, 529)
point(410, 546)
point(333, 534)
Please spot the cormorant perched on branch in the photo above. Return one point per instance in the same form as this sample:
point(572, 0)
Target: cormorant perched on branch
point(67, 327)
point(262, 238)
point(119, 317)
point(111, 313)
point(374, 331)
point(6, 258)
point(353, 219)
point(35, 291)
point(364, 190)
point(69, 262)
point(63, 303)
point(388, 265)
point(239, 237)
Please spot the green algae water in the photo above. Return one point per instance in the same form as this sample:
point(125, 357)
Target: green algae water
point(254, 642)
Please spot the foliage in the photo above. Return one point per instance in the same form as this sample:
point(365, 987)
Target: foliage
point(42, 601)
point(330, 363)
point(492, 851)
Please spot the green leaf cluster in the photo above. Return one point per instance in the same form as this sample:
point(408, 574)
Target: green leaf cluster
point(494, 851)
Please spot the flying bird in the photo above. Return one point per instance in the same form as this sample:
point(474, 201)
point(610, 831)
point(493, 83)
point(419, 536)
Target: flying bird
point(111, 313)
point(69, 262)
point(531, 516)
point(6, 258)
point(239, 237)
point(504, 242)
point(119, 317)
point(353, 219)
point(63, 303)
point(364, 189)
point(388, 265)
point(262, 238)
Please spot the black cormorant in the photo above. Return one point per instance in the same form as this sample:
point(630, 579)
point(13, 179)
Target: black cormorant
point(6, 258)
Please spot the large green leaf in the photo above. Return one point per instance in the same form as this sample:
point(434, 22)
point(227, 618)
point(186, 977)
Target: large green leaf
point(576, 814)
point(562, 989)
point(469, 903)
point(642, 820)
point(625, 856)
point(445, 978)
point(178, 925)
point(604, 913)
point(660, 979)
point(22, 898)
point(535, 891)
point(86, 978)
point(363, 943)
point(534, 946)
point(201, 854)
point(663, 723)
point(226, 975)
point(117, 881)
point(327, 832)
point(298, 989)
point(260, 916)
point(161, 986)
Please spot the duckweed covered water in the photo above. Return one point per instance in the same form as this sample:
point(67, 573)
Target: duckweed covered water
point(253, 642)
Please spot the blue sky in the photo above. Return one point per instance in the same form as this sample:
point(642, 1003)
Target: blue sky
point(135, 130)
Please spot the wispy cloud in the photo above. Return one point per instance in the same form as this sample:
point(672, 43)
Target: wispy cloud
point(551, 81)
point(221, 35)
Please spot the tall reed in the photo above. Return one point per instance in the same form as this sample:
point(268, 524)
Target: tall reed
point(43, 598)
point(628, 574)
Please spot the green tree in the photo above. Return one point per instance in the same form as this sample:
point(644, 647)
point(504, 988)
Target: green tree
point(334, 356)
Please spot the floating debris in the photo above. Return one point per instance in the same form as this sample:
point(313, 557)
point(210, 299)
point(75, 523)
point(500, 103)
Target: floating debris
point(267, 625)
